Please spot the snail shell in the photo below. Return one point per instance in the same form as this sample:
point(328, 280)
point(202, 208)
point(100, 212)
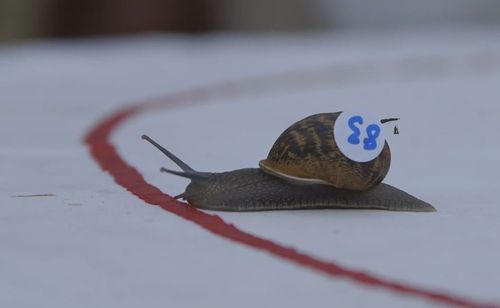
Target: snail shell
point(307, 152)
point(303, 159)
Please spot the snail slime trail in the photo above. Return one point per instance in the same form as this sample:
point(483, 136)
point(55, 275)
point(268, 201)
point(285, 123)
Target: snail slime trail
point(305, 169)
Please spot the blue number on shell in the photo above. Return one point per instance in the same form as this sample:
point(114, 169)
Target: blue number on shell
point(372, 133)
point(354, 137)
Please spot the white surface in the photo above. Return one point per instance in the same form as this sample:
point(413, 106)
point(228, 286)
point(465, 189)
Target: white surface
point(94, 244)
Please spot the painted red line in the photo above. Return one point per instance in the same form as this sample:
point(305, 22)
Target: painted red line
point(105, 154)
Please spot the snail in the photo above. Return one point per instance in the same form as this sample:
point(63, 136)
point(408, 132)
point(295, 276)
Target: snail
point(304, 170)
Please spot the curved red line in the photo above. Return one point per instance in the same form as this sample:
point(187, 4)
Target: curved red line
point(105, 154)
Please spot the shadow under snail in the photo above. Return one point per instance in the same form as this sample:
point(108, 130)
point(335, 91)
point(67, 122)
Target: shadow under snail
point(304, 170)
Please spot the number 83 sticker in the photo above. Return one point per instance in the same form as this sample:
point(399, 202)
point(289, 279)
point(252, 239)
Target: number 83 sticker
point(360, 137)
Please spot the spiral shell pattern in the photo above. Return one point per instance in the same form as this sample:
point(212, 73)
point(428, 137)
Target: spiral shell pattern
point(307, 152)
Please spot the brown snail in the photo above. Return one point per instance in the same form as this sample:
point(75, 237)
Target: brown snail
point(304, 170)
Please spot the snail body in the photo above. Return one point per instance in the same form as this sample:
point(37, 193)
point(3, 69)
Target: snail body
point(252, 189)
point(304, 170)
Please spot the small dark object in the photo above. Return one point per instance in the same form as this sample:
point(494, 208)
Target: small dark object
point(383, 121)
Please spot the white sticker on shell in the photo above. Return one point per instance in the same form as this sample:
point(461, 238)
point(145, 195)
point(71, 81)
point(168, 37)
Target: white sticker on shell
point(359, 136)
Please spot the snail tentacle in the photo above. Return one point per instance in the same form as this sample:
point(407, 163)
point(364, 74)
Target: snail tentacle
point(167, 153)
point(182, 196)
point(192, 175)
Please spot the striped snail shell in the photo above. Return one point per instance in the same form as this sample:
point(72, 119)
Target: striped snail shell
point(307, 152)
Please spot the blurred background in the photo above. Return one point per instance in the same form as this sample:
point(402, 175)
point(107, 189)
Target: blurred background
point(28, 19)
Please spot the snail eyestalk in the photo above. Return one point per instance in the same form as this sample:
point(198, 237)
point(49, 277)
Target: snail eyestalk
point(174, 158)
